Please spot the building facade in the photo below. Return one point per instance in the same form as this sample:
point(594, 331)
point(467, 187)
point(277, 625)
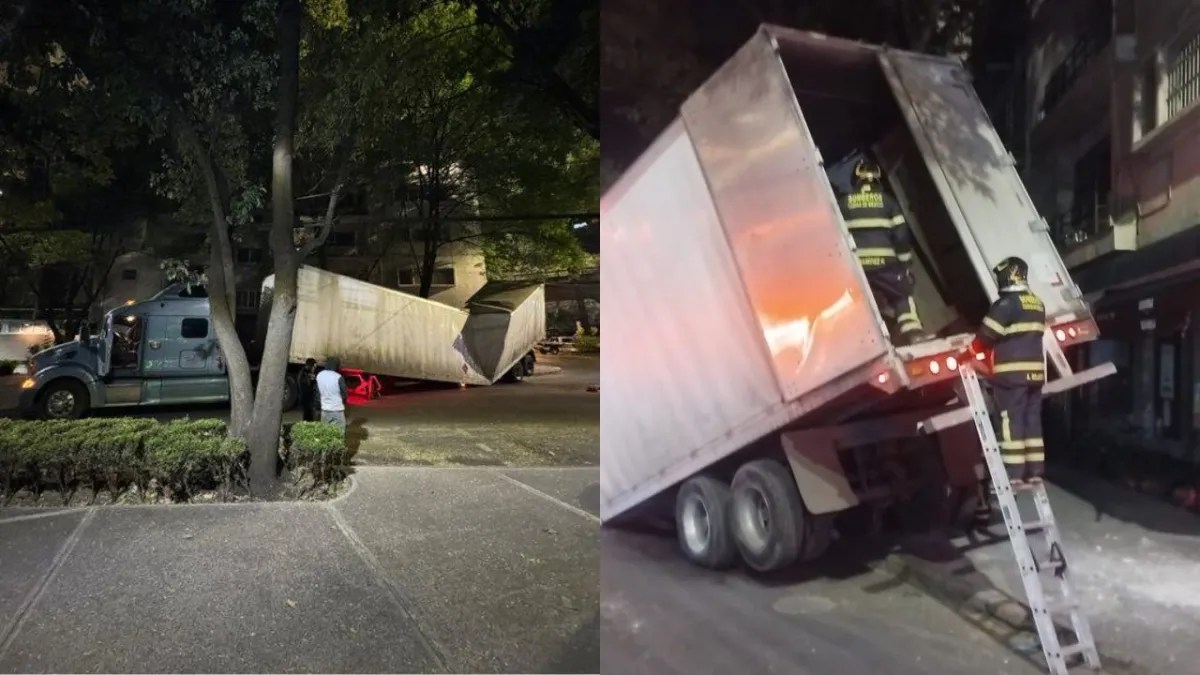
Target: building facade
point(1112, 159)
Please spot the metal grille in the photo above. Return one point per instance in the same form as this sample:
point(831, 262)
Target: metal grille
point(1183, 78)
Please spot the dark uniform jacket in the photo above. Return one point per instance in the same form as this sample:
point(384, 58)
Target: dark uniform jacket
point(1014, 327)
point(878, 227)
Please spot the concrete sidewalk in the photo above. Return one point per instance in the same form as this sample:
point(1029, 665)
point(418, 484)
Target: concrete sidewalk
point(415, 570)
point(1134, 561)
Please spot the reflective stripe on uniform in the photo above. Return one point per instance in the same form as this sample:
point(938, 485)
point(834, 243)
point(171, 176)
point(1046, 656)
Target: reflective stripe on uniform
point(897, 220)
point(876, 253)
point(868, 223)
point(1034, 443)
point(1013, 459)
point(994, 325)
point(905, 257)
point(1025, 327)
point(1018, 367)
point(1035, 457)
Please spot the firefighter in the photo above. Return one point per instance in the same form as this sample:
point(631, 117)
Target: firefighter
point(1013, 330)
point(884, 248)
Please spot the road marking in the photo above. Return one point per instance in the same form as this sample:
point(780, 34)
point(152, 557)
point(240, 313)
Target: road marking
point(381, 577)
point(18, 621)
point(34, 516)
point(534, 491)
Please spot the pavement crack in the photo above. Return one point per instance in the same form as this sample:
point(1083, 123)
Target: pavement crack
point(534, 491)
point(381, 577)
point(36, 516)
point(22, 614)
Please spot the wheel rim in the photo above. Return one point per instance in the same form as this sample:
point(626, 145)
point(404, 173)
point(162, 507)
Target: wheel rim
point(754, 520)
point(60, 403)
point(696, 526)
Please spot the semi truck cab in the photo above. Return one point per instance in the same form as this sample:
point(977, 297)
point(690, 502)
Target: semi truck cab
point(160, 351)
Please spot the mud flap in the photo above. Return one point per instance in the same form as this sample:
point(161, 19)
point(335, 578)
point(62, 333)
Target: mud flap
point(819, 475)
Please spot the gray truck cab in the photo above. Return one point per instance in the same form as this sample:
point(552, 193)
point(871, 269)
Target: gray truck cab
point(160, 351)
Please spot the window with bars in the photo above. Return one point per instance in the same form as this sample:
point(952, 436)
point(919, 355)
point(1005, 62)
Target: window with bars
point(1183, 77)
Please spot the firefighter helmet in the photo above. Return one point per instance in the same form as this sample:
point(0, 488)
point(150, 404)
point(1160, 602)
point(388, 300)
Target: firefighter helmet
point(866, 173)
point(1011, 271)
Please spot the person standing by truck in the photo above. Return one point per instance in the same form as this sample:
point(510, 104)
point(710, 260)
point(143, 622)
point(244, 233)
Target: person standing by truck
point(306, 385)
point(331, 387)
point(884, 247)
point(1013, 330)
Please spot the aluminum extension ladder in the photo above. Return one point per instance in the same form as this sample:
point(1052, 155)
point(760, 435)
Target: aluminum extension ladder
point(1035, 572)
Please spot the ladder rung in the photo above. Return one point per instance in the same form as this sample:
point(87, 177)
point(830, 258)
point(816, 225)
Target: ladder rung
point(1061, 605)
point(1074, 650)
point(1037, 524)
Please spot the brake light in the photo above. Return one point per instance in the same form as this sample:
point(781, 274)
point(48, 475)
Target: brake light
point(980, 356)
point(882, 378)
point(934, 367)
point(951, 363)
point(1075, 332)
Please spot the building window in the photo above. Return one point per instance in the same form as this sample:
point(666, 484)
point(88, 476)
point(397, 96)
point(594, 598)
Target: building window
point(443, 276)
point(194, 329)
point(249, 255)
point(1183, 77)
point(128, 275)
point(407, 277)
point(247, 300)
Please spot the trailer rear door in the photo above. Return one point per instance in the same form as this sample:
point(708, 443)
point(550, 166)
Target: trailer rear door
point(794, 255)
point(977, 178)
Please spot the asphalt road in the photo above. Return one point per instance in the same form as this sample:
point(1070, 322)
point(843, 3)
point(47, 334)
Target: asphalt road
point(660, 615)
point(547, 420)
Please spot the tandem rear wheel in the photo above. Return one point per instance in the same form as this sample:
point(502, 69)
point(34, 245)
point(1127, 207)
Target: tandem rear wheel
point(760, 517)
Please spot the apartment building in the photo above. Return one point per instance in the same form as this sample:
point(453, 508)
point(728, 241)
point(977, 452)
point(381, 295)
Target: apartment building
point(1112, 159)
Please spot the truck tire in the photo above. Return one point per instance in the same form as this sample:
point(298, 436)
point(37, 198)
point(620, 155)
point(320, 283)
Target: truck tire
point(516, 373)
point(63, 399)
point(530, 362)
point(291, 391)
point(702, 510)
point(768, 515)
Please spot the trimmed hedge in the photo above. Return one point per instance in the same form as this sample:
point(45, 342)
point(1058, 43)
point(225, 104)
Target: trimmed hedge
point(320, 450)
point(177, 460)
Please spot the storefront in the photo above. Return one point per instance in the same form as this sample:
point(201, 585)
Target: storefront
point(1150, 332)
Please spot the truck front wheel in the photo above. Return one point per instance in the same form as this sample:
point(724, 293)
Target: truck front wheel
point(768, 515)
point(63, 400)
point(702, 509)
point(291, 392)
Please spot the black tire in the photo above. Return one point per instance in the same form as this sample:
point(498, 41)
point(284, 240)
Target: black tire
point(516, 373)
point(554, 350)
point(768, 515)
point(291, 392)
point(702, 510)
point(63, 399)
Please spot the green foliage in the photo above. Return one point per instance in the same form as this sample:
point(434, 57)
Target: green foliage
point(319, 448)
point(176, 459)
point(585, 342)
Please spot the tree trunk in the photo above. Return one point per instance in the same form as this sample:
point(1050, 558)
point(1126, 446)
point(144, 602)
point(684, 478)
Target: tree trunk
point(263, 440)
point(222, 281)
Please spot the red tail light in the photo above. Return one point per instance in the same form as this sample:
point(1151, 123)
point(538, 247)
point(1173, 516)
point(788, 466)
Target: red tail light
point(1074, 332)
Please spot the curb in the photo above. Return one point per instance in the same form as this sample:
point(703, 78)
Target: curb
point(957, 584)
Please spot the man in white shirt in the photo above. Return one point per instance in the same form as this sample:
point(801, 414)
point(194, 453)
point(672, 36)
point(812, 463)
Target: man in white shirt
point(331, 388)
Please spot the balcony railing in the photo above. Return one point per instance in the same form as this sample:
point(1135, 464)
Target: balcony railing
point(1088, 45)
point(1086, 223)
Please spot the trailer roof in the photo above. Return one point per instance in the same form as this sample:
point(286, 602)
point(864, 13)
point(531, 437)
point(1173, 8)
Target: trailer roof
point(498, 296)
